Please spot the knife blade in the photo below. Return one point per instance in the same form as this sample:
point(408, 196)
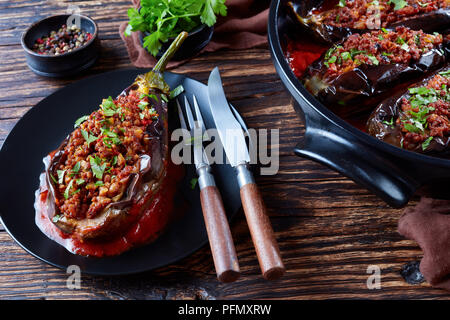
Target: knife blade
point(236, 150)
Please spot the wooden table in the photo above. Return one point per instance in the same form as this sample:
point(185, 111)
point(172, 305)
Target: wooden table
point(329, 229)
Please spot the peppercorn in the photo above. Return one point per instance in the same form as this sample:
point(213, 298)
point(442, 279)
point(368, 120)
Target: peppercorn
point(61, 41)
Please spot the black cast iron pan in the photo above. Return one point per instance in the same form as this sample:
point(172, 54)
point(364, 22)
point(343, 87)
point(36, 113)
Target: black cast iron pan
point(391, 173)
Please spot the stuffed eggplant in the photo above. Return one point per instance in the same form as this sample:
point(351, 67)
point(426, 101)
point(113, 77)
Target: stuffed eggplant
point(417, 119)
point(333, 20)
point(359, 72)
point(108, 172)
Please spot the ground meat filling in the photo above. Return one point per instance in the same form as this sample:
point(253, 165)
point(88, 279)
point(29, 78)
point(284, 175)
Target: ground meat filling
point(374, 14)
point(425, 113)
point(101, 153)
point(379, 47)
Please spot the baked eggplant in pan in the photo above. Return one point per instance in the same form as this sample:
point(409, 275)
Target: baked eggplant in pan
point(356, 74)
point(106, 173)
point(417, 119)
point(333, 20)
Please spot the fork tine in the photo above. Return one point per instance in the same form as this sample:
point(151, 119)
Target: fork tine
point(180, 113)
point(198, 113)
point(189, 114)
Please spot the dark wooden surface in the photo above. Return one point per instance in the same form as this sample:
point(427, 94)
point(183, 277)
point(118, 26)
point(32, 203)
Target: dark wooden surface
point(329, 229)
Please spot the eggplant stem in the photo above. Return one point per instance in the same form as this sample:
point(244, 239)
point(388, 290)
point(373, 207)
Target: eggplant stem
point(164, 60)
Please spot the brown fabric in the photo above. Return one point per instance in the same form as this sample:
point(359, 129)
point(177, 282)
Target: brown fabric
point(244, 27)
point(428, 223)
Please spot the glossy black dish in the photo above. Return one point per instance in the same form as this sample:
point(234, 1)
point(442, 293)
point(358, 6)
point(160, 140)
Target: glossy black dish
point(43, 128)
point(194, 43)
point(66, 64)
point(391, 173)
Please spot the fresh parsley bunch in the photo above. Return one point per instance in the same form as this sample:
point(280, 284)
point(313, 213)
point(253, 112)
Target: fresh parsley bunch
point(164, 19)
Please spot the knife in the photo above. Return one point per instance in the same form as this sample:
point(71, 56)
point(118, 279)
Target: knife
point(233, 140)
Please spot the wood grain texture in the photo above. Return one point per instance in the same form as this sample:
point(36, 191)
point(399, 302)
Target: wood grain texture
point(329, 229)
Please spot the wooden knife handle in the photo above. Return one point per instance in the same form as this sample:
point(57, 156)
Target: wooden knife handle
point(219, 234)
point(266, 246)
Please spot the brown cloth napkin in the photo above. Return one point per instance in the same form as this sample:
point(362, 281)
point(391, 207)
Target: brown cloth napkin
point(428, 223)
point(244, 27)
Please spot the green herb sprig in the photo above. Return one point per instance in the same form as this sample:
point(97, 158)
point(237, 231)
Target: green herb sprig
point(164, 19)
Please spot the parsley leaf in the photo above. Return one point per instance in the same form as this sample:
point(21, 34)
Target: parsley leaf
point(163, 19)
point(398, 4)
point(193, 183)
point(88, 137)
point(175, 92)
point(80, 121)
point(426, 143)
point(67, 191)
point(342, 3)
point(60, 176)
point(96, 167)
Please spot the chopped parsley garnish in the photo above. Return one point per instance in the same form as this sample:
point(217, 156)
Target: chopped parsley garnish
point(114, 161)
point(142, 105)
point(390, 123)
point(109, 108)
point(67, 191)
point(384, 30)
point(193, 183)
point(346, 55)
point(88, 137)
point(175, 92)
point(98, 183)
point(60, 176)
point(373, 59)
point(76, 169)
point(110, 137)
point(354, 52)
point(56, 218)
point(422, 96)
point(398, 4)
point(97, 168)
point(445, 73)
point(412, 127)
point(342, 3)
point(152, 96)
point(405, 47)
point(80, 181)
point(53, 178)
point(426, 143)
point(400, 40)
point(80, 121)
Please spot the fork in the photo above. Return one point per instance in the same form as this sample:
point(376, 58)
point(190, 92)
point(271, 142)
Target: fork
point(219, 234)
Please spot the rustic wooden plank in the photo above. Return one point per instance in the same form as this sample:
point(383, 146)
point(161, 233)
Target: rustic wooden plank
point(329, 229)
point(321, 263)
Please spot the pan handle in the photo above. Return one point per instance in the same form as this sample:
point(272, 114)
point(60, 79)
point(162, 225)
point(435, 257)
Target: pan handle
point(331, 145)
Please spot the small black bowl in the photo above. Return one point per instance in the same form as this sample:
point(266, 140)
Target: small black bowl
point(65, 64)
point(194, 43)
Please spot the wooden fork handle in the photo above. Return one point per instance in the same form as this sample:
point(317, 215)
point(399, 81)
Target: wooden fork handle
point(219, 234)
point(263, 238)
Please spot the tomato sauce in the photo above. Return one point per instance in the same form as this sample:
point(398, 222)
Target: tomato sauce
point(147, 228)
point(303, 51)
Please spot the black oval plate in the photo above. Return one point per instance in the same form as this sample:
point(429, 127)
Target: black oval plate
point(43, 128)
